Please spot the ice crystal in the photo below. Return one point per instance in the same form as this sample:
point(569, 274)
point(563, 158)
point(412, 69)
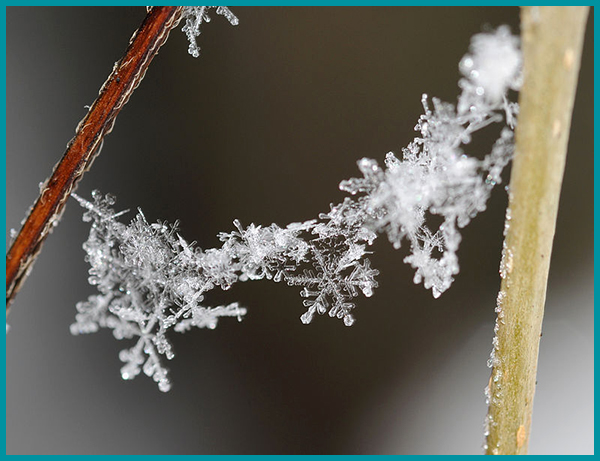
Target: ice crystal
point(150, 279)
point(194, 16)
point(494, 64)
point(435, 177)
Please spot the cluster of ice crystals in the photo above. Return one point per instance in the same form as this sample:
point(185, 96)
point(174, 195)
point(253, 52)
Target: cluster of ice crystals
point(194, 16)
point(435, 178)
point(494, 64)
point(150, 279)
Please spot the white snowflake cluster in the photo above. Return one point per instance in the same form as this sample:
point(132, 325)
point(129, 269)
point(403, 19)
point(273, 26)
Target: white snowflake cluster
point(194, 16)
point(435, 177)
point(150, 279)
point(148, 282)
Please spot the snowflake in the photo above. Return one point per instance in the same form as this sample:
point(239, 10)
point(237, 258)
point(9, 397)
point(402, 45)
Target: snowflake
point(151, 280)
point(333, 285)
point(435, 177)
point(148, 282)
point(194, 16)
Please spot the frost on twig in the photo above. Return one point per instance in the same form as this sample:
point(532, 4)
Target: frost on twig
point(194, 16)
point(150, 279)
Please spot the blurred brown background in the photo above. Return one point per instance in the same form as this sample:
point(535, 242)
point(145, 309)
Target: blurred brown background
point(262, 127)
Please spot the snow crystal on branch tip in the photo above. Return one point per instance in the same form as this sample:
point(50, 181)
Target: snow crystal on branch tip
point(194, 16)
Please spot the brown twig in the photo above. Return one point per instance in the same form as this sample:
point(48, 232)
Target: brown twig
point(82, 149)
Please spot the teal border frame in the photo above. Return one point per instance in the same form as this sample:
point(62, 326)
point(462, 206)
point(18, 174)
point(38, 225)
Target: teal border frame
point(279, 3)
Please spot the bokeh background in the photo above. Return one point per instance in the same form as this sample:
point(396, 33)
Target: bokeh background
point(262, 127)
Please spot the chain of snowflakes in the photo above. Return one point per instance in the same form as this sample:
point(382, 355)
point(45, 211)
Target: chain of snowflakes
point(150, 279)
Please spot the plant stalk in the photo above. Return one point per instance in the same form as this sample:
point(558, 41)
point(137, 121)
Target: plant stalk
point(85, 146)
point(552, 40)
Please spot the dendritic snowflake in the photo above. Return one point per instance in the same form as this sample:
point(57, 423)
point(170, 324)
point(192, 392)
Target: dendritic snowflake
point(194, 16)
point(150, 279)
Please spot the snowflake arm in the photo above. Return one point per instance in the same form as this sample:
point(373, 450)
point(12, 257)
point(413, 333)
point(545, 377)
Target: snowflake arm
point(194, 16)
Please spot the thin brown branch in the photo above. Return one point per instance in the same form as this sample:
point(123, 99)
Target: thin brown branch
point(82, 149)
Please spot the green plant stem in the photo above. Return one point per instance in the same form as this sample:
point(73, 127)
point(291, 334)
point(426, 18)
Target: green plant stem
point(552, 39)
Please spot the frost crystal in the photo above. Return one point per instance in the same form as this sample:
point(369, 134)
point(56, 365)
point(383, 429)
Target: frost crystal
point(150, 279)
point(494, 64)
point(435, 177)
point(194, 16)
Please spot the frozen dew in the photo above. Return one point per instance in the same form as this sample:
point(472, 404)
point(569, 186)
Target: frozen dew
point(506, 264)
point(348, 320)
point(499, 306)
